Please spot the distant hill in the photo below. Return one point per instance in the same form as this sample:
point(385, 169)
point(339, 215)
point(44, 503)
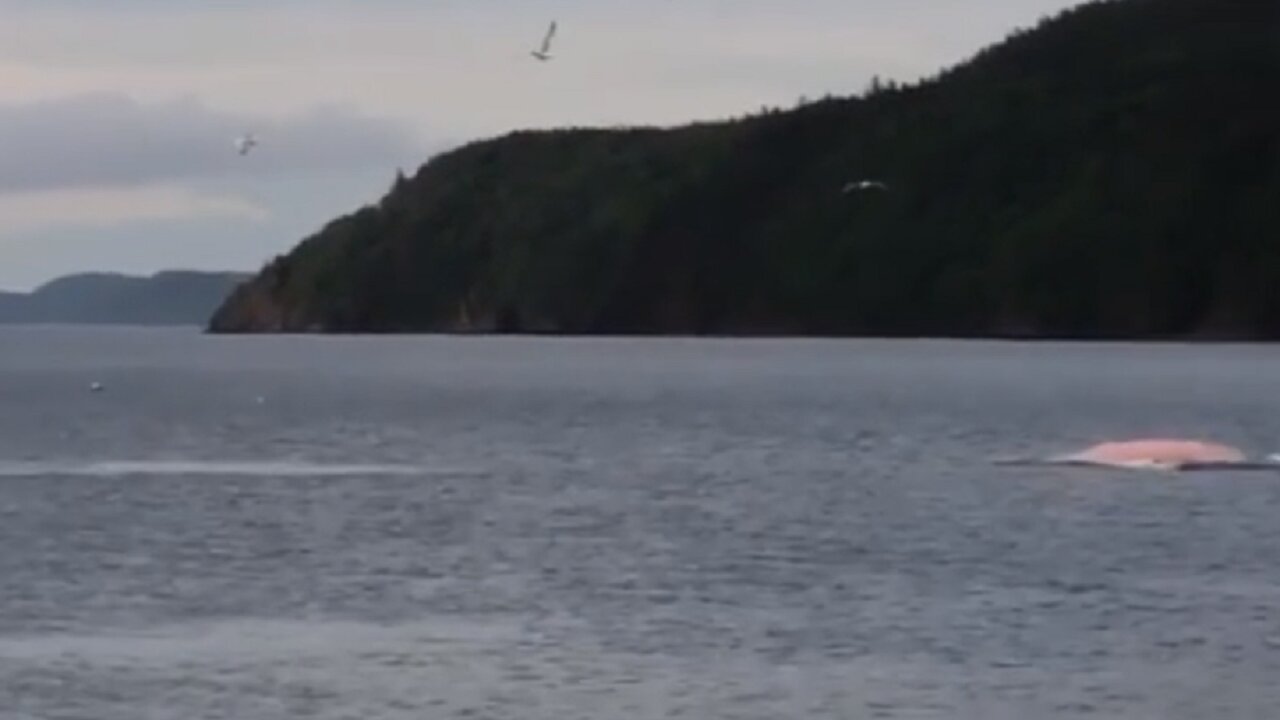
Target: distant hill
point(167, 298)
point(1114, 172)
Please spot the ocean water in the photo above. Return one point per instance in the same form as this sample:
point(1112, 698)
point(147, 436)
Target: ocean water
point(408, 528)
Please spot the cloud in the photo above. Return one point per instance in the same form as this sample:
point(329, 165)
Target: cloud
point(219, 224)
point(64, 209)
point(462, 66)
point(109, 140)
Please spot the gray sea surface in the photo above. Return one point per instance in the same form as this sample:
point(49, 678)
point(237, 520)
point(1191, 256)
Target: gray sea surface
point(395, 528)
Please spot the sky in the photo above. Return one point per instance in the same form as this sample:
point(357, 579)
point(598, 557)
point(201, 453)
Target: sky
point(118, 117)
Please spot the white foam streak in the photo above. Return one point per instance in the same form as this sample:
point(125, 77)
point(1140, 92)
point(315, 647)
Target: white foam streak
point(146, 468)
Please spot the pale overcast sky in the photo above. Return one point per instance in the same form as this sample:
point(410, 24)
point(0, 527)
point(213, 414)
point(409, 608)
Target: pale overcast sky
point(117, 117)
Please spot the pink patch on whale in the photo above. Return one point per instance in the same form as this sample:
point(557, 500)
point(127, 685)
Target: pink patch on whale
point(1158, 452)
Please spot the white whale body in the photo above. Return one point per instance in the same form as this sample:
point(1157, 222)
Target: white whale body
point(1159, 454)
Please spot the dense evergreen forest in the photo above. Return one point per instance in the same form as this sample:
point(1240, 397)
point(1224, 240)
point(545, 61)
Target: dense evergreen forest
point(1114, 172)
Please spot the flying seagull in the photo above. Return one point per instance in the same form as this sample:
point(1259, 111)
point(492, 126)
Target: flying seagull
point(544, 53)
point(864, 185)
point(245, 143)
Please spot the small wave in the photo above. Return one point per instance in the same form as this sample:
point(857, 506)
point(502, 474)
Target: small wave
point(254, 640)
point(136, 468)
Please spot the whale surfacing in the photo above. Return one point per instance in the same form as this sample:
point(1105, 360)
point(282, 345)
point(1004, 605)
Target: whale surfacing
point(1160, 454)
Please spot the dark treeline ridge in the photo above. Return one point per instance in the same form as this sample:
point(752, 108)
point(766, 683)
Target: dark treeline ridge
point(172, 297)
point(1112, 173)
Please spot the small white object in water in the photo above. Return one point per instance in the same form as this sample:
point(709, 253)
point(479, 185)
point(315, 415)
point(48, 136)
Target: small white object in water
point(864, 185)
point(543, 53)
point(96, 387)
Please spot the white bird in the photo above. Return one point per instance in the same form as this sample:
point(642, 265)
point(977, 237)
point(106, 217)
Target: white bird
point(245, 143)
point(864, 185)
point(543, 53)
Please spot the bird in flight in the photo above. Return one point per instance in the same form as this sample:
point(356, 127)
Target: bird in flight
point(864, 185)
point(245, 143)
point(543, 53)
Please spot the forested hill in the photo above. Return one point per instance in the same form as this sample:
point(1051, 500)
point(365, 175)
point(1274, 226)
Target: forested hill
point(1114, 172)
point(166, 298)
